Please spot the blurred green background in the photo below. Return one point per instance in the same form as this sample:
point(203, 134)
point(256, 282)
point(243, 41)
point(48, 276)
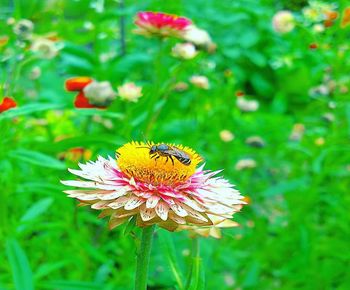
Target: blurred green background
point(293, 234)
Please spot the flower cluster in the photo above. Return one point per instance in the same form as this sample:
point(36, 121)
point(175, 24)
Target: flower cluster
point(94, 94)
point(156, 189)
point(91, 94)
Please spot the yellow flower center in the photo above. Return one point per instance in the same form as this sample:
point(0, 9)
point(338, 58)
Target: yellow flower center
point(156, 164)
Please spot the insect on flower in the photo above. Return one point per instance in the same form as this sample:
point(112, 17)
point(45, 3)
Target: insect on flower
point(168, 151)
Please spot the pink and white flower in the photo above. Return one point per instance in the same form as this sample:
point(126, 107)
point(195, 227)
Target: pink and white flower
point(161, 24)
point(153, 191)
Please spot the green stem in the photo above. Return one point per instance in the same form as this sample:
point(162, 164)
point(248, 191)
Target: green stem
point(143, 257)
point(194, 264)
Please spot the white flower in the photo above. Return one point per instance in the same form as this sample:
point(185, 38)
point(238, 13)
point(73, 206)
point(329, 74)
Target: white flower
point(283, 21)
point(24, 28)
point(245, 164)
point(226, 136)
point(201, 82)
point(197, 36)
point(45, 48)
point(130, 92)
point(247, 105)
point(99, 93)
point(184, 50)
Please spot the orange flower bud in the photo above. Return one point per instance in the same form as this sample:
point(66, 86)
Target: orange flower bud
point(77, 83)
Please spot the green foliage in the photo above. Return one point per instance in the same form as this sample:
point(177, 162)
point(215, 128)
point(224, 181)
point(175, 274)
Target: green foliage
point(293, 235)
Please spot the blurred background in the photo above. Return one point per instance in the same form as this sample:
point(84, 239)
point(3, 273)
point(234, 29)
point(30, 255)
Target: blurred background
point(266, 99)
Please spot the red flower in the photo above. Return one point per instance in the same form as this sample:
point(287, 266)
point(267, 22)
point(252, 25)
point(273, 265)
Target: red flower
point(7, 104)
point(161, 24)
point(313, 46)
point(82, 102)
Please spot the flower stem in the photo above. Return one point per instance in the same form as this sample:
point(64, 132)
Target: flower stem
point(143, 257)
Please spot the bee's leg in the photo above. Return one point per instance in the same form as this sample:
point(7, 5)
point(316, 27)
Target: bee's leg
point(172, 160)
point(154, 155)
point(167, 158)
point(155, 159)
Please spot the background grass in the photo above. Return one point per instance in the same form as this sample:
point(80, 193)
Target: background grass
point(295, 232)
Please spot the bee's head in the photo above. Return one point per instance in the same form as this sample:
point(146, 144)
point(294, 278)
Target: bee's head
point(153, 149)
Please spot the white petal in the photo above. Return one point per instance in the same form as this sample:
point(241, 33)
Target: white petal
point(179, 210)
point(100, 205)
point(177, 219)
point(152, 201)
point(162, 210)
point(133, 202)
point(147, 214)
point(88, 184)
point(120, 202)
point(195, 214)
point(114, 194)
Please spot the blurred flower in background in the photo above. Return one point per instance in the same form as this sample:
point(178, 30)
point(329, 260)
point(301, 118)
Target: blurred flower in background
point(201, 82)
point(99, 93)
point(255, 141)
point(226, 135)
point(6, 104)
point(345, 21)
point(246, 163)
point(283, 21)
point(44, 48)
point(161, 24)
point(153, 191)
point(200, 38)
point(23, 29)
point(184, 50)
point(130, 92)
point(246, 105)
point(297, 133)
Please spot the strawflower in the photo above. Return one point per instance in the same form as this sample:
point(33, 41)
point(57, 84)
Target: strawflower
point(153, 189)
point(130, 92)
point(184, 50)
point(201, 82)
point(161, 24)
point(7, 104)
point(200, 38)
point(246, 105)
point(44, 48)
point(283, 22)
point(24, 29)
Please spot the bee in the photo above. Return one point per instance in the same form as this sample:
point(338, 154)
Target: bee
point(156, 151)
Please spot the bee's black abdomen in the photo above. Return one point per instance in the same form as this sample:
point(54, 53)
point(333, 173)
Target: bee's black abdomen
point(184, 161)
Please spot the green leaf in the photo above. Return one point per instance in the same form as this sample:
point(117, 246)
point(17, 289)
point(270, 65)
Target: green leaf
point(37, 158)
point(72, 285)
point(37, 209)
point(130, 226)
point(168, 246)
point(21, 271)
point(106, 114)
point(46, 269)
point(29, 109)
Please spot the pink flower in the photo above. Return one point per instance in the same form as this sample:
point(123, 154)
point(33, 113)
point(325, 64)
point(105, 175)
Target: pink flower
point(155, 190)
point(161, 24)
